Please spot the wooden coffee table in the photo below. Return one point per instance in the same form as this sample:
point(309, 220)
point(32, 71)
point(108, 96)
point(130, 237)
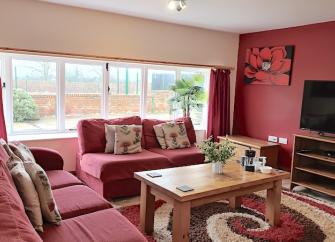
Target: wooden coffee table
point(208, 187)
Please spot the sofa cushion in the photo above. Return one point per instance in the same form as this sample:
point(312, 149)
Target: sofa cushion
point(149, 134)
point(41, 181)
point(91, 132)
point(22, 151)
point(110, 138)
point(106, 225)
point(182, 157)
point(78, 200)
point(189, 128)
point(61, 178)
point(27, 191)
point(114, 167)
point(14, 223)
point(175, 135)
point(127, 139)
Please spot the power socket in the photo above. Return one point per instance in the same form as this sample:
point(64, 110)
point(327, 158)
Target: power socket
point(273, 138)
point(283, 141)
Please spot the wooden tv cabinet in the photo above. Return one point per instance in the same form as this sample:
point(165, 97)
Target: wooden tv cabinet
point(311, 167)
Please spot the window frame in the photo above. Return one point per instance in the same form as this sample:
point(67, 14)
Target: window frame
point(7, 65)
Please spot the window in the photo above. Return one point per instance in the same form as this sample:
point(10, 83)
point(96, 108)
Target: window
point(83, 92)
point(51, 94)
point(34, 89)
point(158, 93)
point(125, 87)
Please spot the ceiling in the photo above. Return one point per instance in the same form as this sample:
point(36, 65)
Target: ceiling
point(239, 16)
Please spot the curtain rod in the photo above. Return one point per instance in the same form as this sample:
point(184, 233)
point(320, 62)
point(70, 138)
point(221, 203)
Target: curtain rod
point(109, 58)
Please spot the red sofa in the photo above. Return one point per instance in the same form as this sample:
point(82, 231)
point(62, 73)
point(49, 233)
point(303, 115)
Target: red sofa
point(113, 175)
point(86, 215)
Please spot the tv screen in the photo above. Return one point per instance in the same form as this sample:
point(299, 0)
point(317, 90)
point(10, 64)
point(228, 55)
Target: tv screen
point(318, 106)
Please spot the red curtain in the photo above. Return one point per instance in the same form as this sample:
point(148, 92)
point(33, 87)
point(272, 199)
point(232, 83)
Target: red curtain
point(3, 132)
point(219, 104)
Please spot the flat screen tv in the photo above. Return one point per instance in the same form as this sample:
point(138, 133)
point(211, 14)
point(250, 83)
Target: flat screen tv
point(318, 106)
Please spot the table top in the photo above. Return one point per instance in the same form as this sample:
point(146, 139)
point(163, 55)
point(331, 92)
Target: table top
point(204, 181)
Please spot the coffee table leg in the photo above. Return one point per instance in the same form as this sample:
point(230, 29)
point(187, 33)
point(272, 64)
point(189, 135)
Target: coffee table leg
point(147, 209)
point(181, 221)
point(273, 199)
point(234, 202)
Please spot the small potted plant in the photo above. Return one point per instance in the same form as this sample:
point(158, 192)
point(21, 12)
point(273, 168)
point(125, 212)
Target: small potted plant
point(217, 153)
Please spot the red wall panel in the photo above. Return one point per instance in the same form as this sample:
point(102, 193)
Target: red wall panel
point(262, 110)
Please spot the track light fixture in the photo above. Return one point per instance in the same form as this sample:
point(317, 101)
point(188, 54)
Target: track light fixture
point(177, 5)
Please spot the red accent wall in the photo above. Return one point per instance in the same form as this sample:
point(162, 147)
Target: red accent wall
point(262, 110)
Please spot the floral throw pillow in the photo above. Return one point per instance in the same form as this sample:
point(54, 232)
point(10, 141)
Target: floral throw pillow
point(22, 151)
point(12, 159)
point(127, 139)
point(160, 135)
point(175, 135)
point(110, 138)
point(48, 205)
point(26, 189)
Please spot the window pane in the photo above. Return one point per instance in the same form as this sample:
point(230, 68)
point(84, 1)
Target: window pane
point(83, 92)
point(158, 93)
point(125, 92)
point(34, 95)
point(197, 114)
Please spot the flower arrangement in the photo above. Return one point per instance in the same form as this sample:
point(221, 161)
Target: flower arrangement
point(217, 152)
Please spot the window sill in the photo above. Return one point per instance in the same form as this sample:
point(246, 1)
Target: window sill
point(50, 136)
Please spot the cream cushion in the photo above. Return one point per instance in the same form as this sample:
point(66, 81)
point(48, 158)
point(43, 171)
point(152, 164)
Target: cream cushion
point(127, 139)
point(175, 135)
point(110, 138)
point(22, 151)
point(26, 189)
point(40, 179)
point(160, 135)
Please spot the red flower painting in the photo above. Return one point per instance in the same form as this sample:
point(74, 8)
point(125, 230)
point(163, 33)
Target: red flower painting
point(268, 65)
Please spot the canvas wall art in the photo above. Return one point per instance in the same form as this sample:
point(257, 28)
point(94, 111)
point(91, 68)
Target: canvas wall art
point(269, 65)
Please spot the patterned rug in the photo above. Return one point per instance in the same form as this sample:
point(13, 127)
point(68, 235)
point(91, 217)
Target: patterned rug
point(302, 218)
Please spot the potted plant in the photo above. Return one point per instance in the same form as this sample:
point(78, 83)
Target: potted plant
point(217, 153)
point(189, 93)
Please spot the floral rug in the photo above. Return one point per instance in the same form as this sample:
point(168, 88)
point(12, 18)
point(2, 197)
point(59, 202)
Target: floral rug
point(302, 219)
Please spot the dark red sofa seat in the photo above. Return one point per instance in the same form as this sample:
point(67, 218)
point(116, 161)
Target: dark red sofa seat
point(109, 167)
point(86, 215)
point(113, 175)
point(60, 178)
point(77, 200)
point(105, 226)
point(52, 162)
point(181, 157)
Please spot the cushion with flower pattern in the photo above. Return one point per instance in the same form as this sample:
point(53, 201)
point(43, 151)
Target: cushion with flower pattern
point(175, 135)
point(22, 151)
point(27, 191)
point(127, 139)
point(110, 138)
point(160, 135)
point(48, 205)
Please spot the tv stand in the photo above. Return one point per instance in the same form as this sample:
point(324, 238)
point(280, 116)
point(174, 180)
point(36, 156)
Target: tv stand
point(329, 153)
point(313, 163)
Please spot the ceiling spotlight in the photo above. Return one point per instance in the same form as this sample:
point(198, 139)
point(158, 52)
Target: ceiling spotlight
point(177, 5)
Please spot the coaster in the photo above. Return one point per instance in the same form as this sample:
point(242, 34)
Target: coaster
point(154, 174)
point(185, 188)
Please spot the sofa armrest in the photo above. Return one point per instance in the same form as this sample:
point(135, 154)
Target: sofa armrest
point(48, 159)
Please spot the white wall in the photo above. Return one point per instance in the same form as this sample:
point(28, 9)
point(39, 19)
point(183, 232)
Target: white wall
point(35, 25)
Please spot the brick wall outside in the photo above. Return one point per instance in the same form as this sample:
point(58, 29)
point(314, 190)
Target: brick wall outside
point(91, 103)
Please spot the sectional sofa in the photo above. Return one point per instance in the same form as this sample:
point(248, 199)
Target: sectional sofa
point(113, 175)
point(86, 215)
